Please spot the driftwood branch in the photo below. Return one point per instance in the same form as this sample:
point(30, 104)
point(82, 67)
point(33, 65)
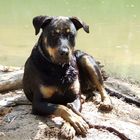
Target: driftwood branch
point(11, 80)
point(6, 104)
point(128, 99)
point(14, 101)
point(122, 90)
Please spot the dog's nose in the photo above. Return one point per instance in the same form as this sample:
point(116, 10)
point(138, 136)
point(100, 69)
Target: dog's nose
point(64, 51)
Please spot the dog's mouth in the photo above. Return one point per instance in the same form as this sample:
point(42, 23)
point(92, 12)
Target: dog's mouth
point(61, 60)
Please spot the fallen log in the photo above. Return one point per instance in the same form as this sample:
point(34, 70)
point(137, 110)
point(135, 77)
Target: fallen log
point(7, 103)
point(4, 69)
point(14, 101)
point(99, 127)
point(11, 80)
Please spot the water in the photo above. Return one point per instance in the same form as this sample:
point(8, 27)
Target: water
point(114, 31)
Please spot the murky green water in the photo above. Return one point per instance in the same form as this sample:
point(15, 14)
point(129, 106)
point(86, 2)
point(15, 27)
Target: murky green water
point(114, 30)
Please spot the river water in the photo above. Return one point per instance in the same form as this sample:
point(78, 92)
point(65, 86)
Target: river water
point(114, 31)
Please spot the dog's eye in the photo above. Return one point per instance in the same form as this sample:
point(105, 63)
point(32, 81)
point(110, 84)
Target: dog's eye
point(57, 31)
point(54, 34)
point(71, 36)
point(68, 30)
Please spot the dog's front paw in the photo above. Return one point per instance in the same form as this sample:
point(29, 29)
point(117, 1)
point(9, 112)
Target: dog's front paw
point(106, 105)
point(67, 131)
point(77, 122)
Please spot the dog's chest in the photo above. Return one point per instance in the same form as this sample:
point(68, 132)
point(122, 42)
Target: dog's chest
point(59, 95)
point(61, 87)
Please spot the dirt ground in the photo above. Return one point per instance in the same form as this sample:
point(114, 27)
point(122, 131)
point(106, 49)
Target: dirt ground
point(20, 124)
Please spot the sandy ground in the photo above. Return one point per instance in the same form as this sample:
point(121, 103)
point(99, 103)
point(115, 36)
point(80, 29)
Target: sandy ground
point(20, 124)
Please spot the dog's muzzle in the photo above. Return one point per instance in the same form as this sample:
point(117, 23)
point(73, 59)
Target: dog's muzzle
point(64, 52)
point(64, 55)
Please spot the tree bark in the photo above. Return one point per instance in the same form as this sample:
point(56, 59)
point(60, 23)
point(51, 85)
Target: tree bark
point(11, 80)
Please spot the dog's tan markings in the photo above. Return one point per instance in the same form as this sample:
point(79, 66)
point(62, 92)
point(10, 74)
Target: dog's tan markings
point(45, 40)
point(106, 102)
point(68, 30)
point(52, 51)
point(48, 91)
point(58, 30)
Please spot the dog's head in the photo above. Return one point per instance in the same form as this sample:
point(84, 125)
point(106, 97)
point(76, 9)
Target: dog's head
point(58, 36)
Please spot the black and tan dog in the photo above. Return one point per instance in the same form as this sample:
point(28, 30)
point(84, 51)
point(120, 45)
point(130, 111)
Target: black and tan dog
point(56, 74)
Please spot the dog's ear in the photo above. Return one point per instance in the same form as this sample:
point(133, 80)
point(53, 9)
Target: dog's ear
point(79, 24)
point(40, 22)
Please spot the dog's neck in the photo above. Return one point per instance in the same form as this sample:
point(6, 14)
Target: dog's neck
point(40, 47)
point(45, 56)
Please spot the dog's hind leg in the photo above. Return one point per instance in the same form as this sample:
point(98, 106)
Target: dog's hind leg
point(90, 70)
